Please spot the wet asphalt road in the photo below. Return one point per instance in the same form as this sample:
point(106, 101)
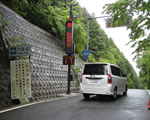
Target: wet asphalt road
point(131, 107)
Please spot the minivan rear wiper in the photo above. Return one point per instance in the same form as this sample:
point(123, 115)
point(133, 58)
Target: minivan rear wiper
point(97, 78)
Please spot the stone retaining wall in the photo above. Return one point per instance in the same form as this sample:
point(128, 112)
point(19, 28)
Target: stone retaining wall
point(48, 75)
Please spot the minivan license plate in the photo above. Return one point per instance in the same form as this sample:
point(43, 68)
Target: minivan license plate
point(93, 81)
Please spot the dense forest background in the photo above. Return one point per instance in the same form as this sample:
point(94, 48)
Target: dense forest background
point(51, 15)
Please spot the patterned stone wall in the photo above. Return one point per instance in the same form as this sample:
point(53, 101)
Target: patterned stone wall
point(48, 75)
point(5, 98)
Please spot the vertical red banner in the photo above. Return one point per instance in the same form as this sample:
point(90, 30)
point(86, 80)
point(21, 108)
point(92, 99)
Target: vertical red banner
point(69, 40)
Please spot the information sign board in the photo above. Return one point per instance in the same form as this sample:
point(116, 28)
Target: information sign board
point(109, 23)
point(20, 51)
point(20, 79)
point(68, 60)
point(86, 53)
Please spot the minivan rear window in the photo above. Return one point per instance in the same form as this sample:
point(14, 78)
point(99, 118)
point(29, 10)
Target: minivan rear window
point(95, 69)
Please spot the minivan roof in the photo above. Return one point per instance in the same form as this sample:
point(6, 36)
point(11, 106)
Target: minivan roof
point(102, 63)
point(98, 63)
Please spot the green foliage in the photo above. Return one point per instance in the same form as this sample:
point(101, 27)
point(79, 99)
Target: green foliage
point(14, 41)
point(77, 69)
point(144, 65)
point(51, 15)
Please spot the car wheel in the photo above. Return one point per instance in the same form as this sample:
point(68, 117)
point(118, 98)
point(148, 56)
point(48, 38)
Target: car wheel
point(125, 93)
point(115, 94)
point(86, 96)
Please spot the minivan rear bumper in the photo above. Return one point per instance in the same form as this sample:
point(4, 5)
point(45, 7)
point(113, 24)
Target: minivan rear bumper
point(98, 91)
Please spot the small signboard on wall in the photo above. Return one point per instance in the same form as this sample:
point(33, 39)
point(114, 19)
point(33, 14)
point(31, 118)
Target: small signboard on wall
point(20, 51)
point(20, 79)
point(68, 60)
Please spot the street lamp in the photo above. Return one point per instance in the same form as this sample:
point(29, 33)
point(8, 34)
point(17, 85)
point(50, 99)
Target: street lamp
point(88, 30)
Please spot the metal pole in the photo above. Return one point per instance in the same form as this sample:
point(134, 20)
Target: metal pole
point(68, 87)
point(99, 17)
point(87, 36)
point(88, 18)
point(71, 13)
point(69, 66)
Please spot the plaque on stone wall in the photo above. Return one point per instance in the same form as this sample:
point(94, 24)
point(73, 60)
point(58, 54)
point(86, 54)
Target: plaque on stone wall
point(20, 79)
point(20, 51)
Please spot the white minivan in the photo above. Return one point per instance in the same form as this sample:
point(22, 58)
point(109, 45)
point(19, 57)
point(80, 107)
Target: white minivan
point(102, 79)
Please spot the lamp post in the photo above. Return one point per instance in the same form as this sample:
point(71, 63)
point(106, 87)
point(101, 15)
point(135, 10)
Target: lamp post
point(69, 52)
point(69, 47)
point(87, 48)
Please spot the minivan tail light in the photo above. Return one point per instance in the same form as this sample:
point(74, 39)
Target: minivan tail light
point(81, 78)
point(109, 79)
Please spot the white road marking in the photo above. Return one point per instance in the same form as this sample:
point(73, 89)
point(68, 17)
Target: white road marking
point(21, 106)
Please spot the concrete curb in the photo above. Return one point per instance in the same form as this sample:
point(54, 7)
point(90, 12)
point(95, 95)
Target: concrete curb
point(62, 96)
